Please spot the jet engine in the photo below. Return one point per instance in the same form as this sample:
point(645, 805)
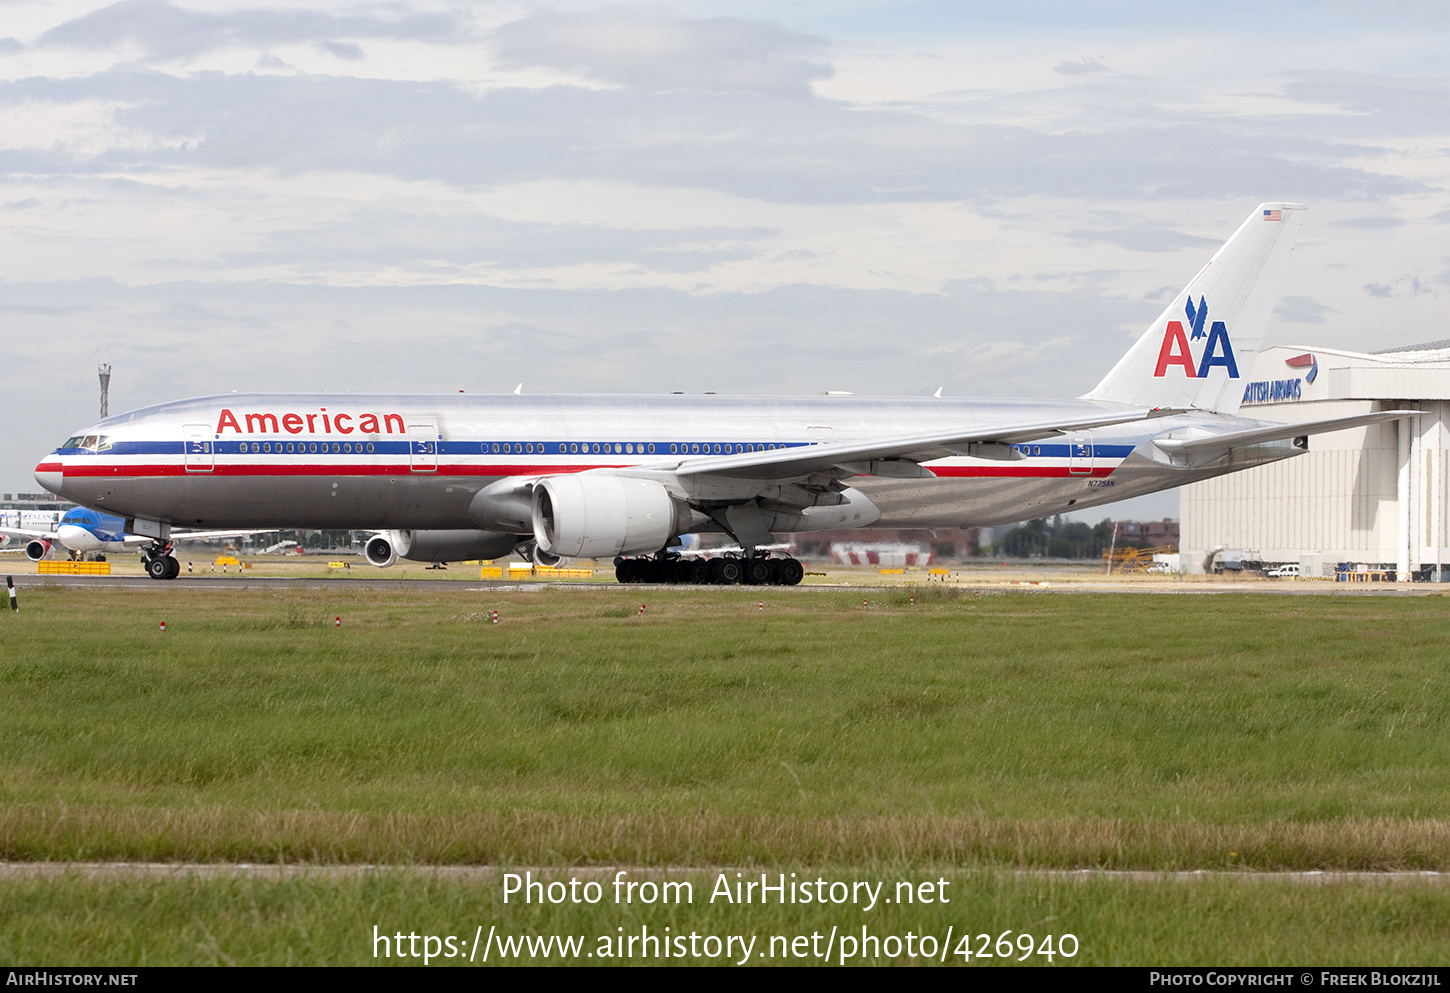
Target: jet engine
point(37, 550)
point(384, 549)
point(589, 516)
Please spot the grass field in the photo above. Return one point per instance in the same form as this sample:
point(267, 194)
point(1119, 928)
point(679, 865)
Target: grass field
point(330, 922)
point(965, 730)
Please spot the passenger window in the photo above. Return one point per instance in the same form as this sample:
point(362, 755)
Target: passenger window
point(289, 448)
point(618, 448)
point(370, 448)
point(651, 448)
point(312, 448)
point(267, 446)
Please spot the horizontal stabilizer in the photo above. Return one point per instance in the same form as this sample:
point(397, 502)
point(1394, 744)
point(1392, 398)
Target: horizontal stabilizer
point(1277, 432)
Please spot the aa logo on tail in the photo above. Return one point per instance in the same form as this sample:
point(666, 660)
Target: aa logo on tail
point(1178, 346)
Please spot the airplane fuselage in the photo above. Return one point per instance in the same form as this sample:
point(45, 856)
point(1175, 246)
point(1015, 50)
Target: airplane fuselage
point(408, 461)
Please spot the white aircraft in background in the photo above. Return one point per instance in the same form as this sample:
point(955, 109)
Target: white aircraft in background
point(81, 530)
point(461, 477)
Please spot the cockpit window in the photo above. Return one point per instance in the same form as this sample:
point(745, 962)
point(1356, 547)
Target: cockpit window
point(103, 443)
point(74, 442)
point(89, 442)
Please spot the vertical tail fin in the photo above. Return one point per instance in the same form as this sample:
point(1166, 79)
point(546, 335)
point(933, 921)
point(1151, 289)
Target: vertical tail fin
point(1196, 352)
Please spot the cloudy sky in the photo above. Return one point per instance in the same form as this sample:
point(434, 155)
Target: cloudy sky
point(779, 197)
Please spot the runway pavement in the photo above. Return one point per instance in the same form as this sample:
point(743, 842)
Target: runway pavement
point(984, 581)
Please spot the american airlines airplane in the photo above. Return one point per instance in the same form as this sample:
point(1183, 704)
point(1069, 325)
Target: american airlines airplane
point(453, 477)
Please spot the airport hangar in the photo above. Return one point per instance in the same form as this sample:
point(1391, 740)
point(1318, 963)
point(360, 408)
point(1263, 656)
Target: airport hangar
point(1376, 497)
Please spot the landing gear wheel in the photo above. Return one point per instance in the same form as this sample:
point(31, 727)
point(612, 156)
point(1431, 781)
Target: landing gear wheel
point(725, 572)
point(157, 568)
point(791, 573)
point(624, 571)
point(695, 571)
point(757, 572)
point(173, 567)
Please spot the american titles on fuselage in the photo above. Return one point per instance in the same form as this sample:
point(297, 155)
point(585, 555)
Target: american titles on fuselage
point(294, 423)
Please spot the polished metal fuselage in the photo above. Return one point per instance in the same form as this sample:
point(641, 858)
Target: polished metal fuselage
point(305, 460)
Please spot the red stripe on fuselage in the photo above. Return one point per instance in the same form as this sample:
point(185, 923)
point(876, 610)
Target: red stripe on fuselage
point(136, 470)
point(91, 469)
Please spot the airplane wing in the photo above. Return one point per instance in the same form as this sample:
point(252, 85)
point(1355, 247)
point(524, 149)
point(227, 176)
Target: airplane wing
point(23, 533)
point(1278, 432)
point(212, 535)
point(894, 456)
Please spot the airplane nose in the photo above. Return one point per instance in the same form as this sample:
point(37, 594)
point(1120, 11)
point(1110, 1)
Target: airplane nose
point(77, 539)
point(50, 473)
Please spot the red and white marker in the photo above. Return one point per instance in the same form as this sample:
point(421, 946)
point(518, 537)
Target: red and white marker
point(863, 603)
point(495, 617)
point(641, 610)
point(762, 605)
point(337, 622)
point(163, 625)
point(913, 599)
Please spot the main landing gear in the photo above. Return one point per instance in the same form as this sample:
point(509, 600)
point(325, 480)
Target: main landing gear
point(727, 570)
point(159, 563)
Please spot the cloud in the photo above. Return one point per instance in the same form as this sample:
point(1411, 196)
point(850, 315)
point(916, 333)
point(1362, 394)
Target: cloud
point(164, 30)
point(801, 150)
point(653, 49)
point(1415, 105)
point(1143, 236)
point(1405, 286)
point(342, 49)
point(1081, 67)
point(1378, 222)
point(1302, 310)
point(9, 46)
point(462, 240)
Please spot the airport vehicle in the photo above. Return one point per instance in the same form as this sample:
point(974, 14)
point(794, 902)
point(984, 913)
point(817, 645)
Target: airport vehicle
point(82, 530)
point(456, 477)
point(1290, 571)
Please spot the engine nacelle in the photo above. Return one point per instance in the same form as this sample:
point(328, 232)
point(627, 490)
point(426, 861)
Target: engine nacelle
point(37, 549)
point(381, 550)
point(598, 517)
point(384, 549)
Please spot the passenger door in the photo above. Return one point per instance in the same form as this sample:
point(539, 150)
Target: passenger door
point(423, 445)
point(197, 444)
point(1080, 453)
